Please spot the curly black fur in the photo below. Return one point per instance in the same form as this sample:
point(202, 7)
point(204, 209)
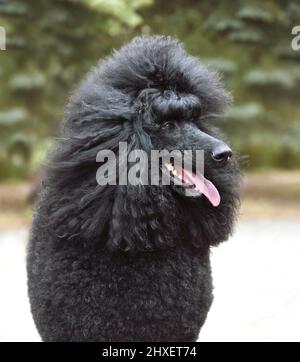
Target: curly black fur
point(130, 263)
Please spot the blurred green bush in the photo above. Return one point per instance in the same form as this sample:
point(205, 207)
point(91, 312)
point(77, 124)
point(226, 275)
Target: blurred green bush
point(52, 43)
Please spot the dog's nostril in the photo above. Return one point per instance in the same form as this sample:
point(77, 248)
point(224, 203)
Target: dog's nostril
point(222, 155)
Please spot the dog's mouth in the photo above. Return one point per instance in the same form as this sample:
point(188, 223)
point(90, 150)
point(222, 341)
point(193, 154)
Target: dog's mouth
point(194, 185)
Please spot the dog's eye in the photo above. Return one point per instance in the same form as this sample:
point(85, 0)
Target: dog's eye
point(169, 126)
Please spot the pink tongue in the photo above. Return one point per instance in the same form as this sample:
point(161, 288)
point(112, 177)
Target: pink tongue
point(204, 186)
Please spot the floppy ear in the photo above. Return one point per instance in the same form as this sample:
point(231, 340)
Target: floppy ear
point(72, 205)
point(128, 228)
point(143, 217)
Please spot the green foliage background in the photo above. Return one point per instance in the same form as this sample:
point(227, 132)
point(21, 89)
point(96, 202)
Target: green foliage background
point(52, 43)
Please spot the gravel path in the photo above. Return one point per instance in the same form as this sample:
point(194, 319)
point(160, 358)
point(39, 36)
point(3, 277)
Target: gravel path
point(256, 277)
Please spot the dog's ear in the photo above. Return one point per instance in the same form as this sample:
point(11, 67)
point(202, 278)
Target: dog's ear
point(143, 217)
point(128, 227)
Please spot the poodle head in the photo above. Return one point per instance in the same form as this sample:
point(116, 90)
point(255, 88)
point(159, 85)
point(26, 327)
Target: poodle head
point(154, 97)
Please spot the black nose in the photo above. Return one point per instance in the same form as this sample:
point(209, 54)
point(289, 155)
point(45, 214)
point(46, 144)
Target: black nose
point(221, 154)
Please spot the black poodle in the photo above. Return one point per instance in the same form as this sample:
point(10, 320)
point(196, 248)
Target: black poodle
point(131, 262)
